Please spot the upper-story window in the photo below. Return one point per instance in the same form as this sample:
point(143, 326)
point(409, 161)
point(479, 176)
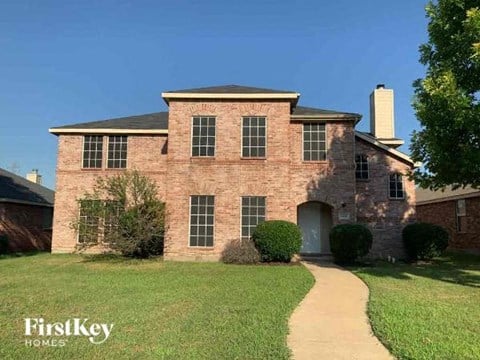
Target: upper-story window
point(254, 137)
point(117, 152)
point(203, 136)
point(314, 144)
point(92, 151)
point(396, 186)
point(361, 167)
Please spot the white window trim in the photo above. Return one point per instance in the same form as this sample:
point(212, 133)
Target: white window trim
point(83, 153)
point(241, 208)
point(303, 143)
point(368, 169)
point(190, 223)
point(191, 137)
point(241, 138)
point(107, 140)
point(403, 186)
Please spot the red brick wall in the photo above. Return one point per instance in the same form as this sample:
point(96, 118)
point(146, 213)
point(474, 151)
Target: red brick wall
point(283, 177)
point(443, 214)
point(24, 226)
point(384, 216)
point(145, 153)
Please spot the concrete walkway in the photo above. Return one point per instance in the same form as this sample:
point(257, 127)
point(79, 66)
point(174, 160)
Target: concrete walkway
point(331, 322)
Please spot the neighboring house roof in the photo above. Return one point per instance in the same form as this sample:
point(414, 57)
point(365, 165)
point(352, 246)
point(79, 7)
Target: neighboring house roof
point(427, 196)
point(148, 123)
point(231, 92)
point(372, 140)
point(231, 89)
point(14, 188)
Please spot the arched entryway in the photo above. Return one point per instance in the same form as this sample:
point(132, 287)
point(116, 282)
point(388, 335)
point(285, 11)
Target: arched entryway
point(315, 220)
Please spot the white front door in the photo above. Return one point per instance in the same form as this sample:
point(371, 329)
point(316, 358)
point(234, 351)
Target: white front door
point(314, 219)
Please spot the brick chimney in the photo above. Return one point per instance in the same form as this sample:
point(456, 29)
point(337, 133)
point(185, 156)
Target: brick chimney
point(34, 176)
point(382, 117)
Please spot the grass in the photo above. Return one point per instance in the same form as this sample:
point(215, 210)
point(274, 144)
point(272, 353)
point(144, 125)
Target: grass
point(428, 310)
point(161, 310)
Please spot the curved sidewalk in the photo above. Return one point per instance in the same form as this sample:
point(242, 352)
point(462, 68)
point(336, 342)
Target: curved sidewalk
point(331, 322)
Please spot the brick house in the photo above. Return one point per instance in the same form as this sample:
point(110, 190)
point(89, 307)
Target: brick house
point(26, 212)
point(458, 211)
point(228, 157)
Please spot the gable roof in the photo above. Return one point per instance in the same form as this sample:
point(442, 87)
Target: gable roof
point(303, 112)
point(231, 89)
point(237, 92)
point(147, 123)
point(370, 139)
point(14, 188)
point(427, 196)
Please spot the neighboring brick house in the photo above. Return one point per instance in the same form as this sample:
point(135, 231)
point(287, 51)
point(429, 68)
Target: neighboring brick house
point(228, 157)
point(26, 211)
point(458, 211)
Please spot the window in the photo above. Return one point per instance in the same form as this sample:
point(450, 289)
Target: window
point(461, 212)
point(361, 167)
point(314, 145)
point(253, 213)
point(396, 186)
point(203, 136)
point(92, 151)
point(254, 137)
point(202, 220)
point(89, 221)
point(111, 217)
point(117, 152)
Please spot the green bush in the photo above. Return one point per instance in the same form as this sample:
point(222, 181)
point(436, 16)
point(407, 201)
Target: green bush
point(3, 244)
point(277, 240)
point(240, 252)
point(349, 241)
point(424, 240)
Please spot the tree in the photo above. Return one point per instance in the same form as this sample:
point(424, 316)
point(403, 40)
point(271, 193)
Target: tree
point(446, 101)
point(124, 214)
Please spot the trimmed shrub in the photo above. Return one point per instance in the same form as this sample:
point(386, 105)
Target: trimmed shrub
point(3, 244)
point(424, 241)
point(277, 240)
point(349, 242)
point(240, 252)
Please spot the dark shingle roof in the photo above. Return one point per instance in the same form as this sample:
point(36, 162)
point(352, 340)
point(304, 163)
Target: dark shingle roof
point(303, 110)
point(16, 188)
point(232, 89)
point(155, 121)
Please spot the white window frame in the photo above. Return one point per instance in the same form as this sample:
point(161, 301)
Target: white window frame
point(368, 167)
point(83, 152)
point(191, 136)
point(403, 186)
point(241, 211)
point(303, 141)
point(190, 224)
point(266, 137)
point(120, 159)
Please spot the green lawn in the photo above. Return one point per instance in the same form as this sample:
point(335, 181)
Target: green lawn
point(427, 311)
point(159, 309)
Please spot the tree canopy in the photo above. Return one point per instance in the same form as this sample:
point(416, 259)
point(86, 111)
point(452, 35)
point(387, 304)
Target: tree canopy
point(446, 101)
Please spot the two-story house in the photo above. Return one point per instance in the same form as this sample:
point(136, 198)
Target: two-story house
point(228, 157)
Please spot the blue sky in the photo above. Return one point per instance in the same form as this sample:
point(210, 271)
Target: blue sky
point(63, 62)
